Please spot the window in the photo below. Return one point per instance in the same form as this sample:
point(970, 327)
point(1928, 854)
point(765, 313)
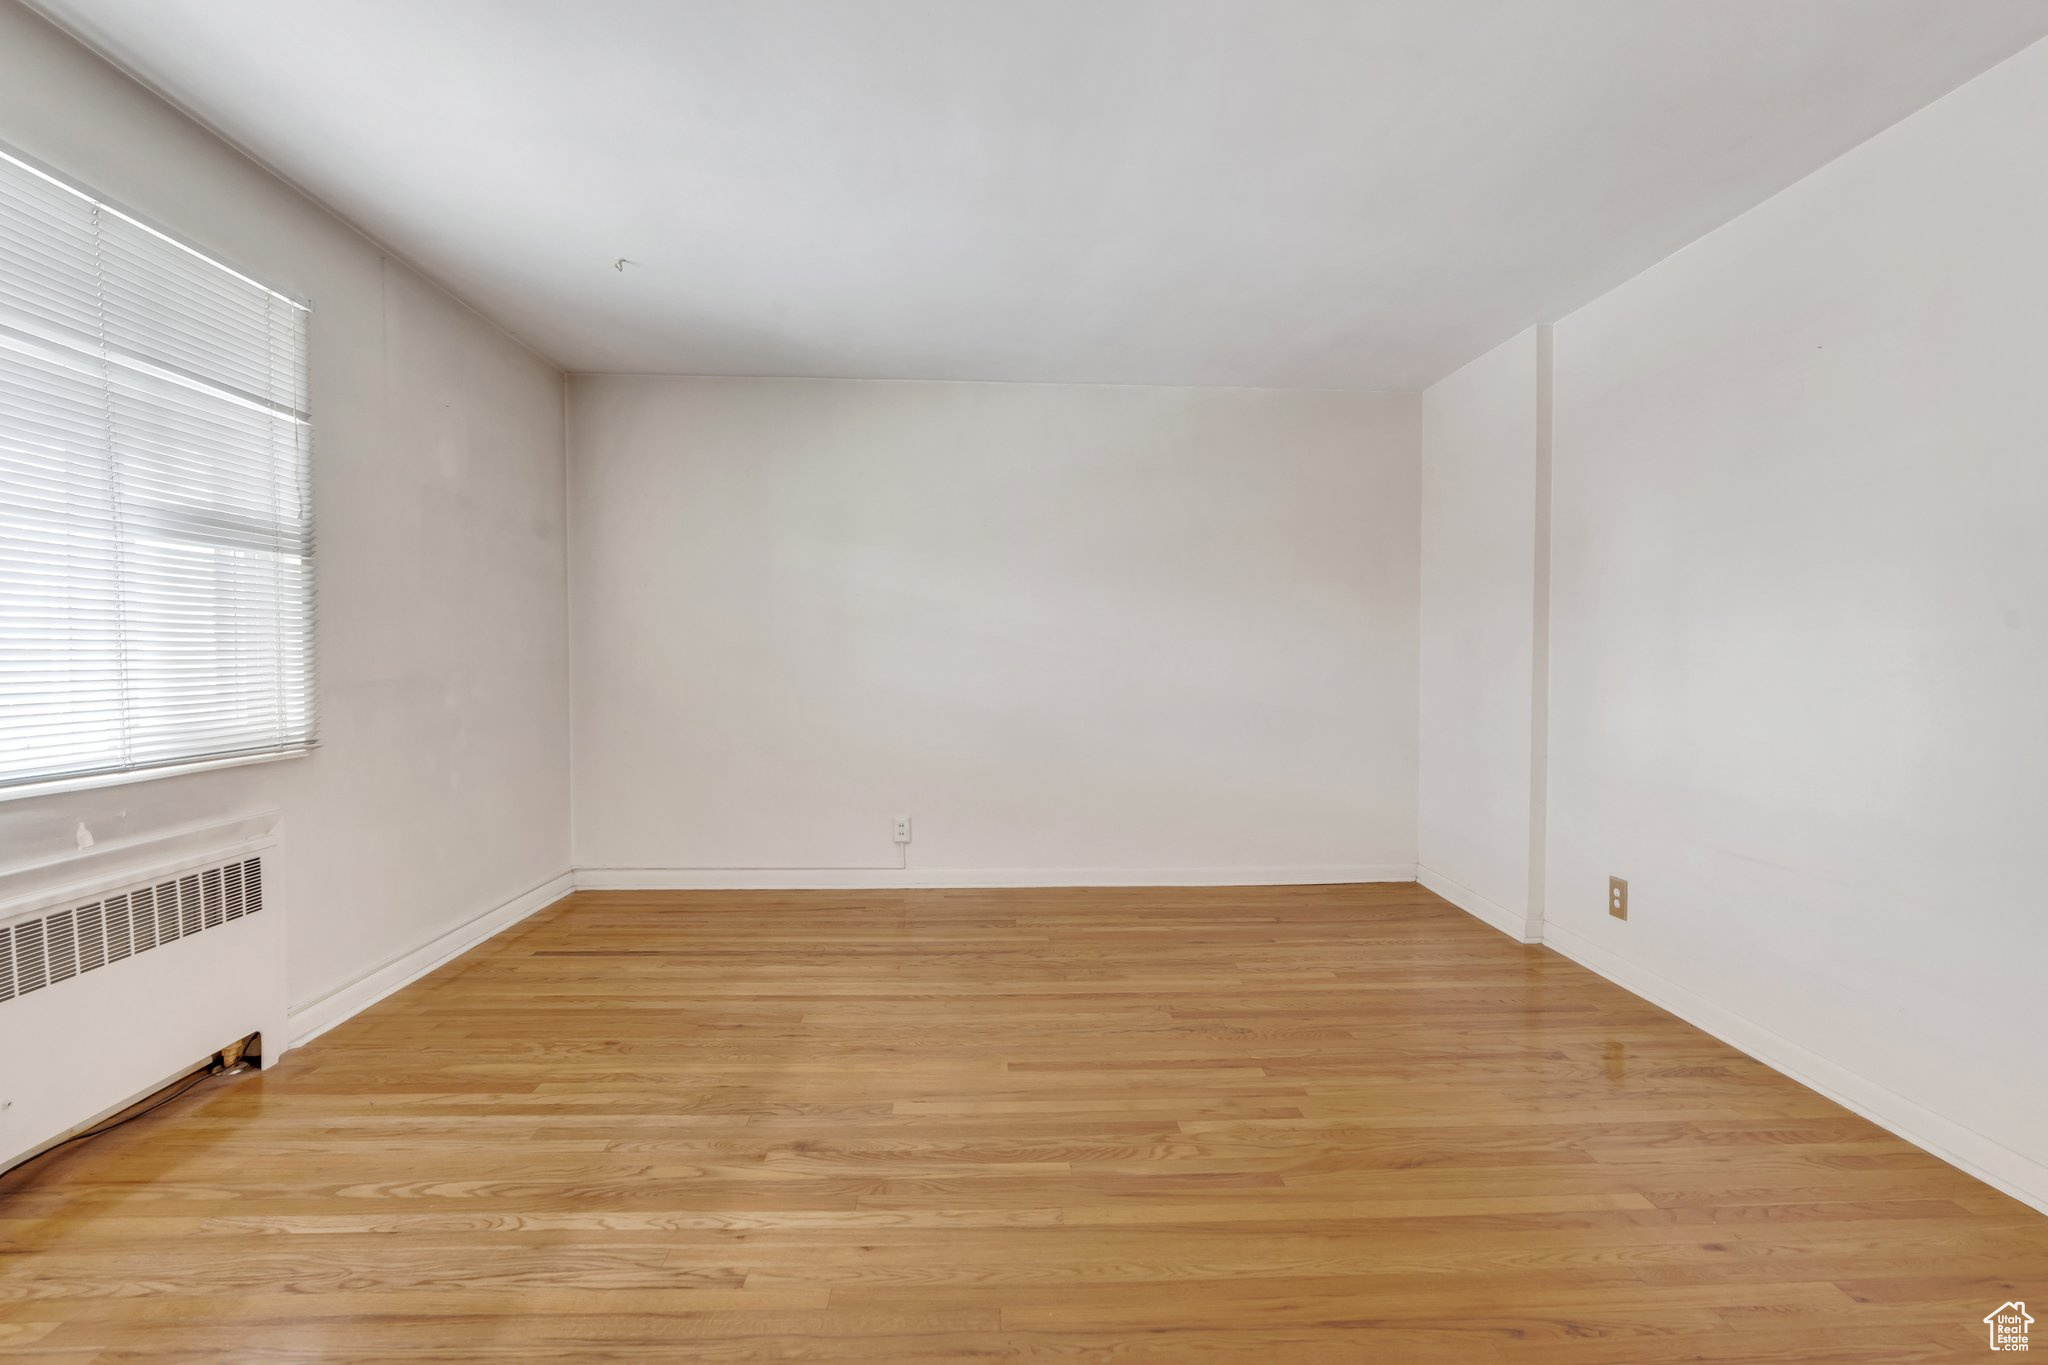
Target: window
point(156, 576)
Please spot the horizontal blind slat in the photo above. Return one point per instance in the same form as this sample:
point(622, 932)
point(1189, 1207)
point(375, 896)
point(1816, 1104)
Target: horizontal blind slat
point(156, 590)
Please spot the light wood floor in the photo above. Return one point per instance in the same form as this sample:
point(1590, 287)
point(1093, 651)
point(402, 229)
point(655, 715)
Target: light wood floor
point(1171, 1127)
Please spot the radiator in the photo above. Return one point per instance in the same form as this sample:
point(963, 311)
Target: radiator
point(113, 984)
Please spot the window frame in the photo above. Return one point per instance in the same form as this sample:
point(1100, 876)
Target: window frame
point(194, 528)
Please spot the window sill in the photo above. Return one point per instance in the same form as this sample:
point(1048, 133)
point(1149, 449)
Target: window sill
point(55, 786)
point(39, 882)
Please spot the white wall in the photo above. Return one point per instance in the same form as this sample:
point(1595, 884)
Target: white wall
point(1078, 633)
point(1800, 627)
point(1483, 448)
point(440, 787)
point(1798, 652)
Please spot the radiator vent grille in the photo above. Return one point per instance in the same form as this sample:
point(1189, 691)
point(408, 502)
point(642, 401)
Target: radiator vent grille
point(63, 943)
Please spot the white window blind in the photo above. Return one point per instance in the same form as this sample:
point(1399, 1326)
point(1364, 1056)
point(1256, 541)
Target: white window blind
point(156, 589)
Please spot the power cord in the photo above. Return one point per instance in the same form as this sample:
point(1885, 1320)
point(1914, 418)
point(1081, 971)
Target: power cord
point(216, 1068)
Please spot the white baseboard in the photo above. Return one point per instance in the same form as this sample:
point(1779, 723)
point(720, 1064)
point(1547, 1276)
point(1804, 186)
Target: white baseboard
point(902, 878)
point(309, 1021)
point(1991, 1161)
point(1481, 908)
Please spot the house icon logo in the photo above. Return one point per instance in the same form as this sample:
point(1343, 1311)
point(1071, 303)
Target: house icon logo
point(2008, 1323)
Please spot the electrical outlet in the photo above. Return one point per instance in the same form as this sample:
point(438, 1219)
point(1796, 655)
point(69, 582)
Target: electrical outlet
point(1617, 898)
point(902, 829)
